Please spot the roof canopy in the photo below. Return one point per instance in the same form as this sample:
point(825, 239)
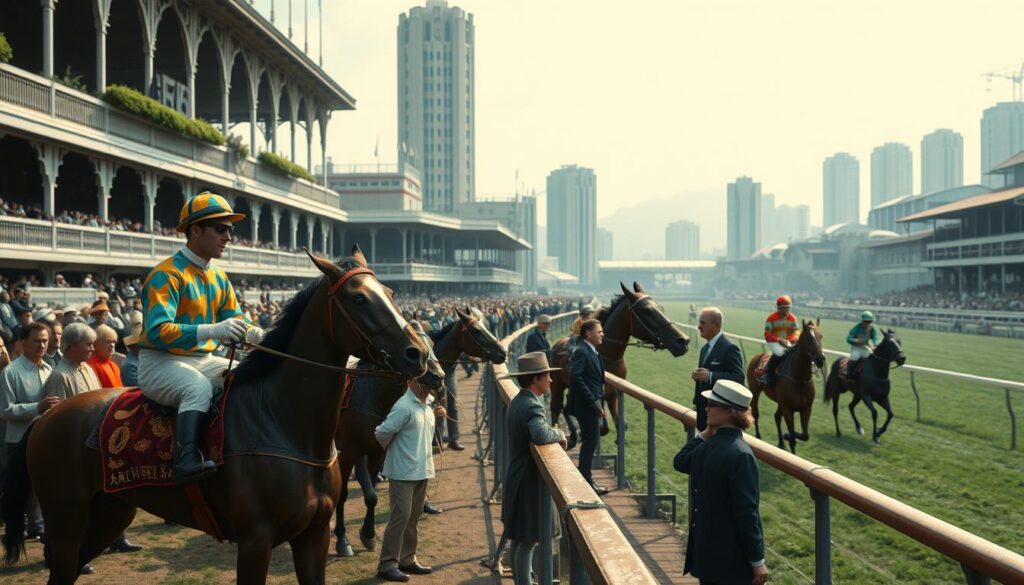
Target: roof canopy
point(956, 208)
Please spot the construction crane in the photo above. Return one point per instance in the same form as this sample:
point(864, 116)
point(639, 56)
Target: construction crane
point(1017, 77)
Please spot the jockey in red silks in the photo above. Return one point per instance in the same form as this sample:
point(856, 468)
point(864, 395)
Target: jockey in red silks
point(189, 308)
point(781, 334)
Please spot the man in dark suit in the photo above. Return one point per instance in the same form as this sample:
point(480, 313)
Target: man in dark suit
point(719, 359)
point(538, 339)
point(586, 391)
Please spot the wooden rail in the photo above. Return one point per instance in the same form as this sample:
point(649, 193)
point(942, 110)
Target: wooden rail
point(979, 557)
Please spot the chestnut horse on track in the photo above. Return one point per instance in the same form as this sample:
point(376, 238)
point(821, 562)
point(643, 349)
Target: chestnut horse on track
point(259, 501)
point(632, 314)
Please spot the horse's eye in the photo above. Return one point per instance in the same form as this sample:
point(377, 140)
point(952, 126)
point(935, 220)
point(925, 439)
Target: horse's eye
point(360, 299)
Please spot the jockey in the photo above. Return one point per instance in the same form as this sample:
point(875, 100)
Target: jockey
point(862, 339)
point(780, 332)
point(190, 308)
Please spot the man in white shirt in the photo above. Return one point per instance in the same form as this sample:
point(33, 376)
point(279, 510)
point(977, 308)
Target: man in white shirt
point(407, 433)
point(22, 400)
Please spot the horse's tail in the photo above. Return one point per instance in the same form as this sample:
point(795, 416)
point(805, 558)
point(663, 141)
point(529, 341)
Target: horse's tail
point(17, 488)
point(833, 385)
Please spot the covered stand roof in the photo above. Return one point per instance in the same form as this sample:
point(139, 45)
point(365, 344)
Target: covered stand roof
point(956, 208)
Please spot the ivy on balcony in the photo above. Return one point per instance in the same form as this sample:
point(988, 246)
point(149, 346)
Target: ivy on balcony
point(285, 166)
point(133, 101)
point(6, 52)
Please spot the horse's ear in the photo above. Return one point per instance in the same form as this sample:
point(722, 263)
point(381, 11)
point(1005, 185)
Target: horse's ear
point(330, 269)
point(638, 288)
point(817, 322)
point(464, 317)
point(357, 254)
point(629, 294)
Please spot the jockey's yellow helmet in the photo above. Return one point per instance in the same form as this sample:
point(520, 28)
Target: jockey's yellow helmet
point(784, 301)
point(206, 206)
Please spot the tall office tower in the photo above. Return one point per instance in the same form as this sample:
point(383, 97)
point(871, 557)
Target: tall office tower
point(682, 240)
point(572, 221)
point(605, 244)
point(744, 218)
point(942, 161)
point(841, 188)
point(1002, 136)
point(892, 172)
point(436, 102)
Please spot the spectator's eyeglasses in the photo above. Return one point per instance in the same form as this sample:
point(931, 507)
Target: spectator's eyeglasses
point(221, 228)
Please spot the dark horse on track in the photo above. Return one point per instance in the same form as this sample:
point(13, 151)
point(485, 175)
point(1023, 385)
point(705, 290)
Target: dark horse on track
point(632, 314)
point(871, 386)
point(794, 385)
point(260, 501)
point(372, 399)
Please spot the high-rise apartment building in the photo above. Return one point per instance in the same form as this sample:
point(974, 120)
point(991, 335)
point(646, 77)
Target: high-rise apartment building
point(1002, 136)
point(682, 240)
point(942, 161)
point(841, 189)
point(744, 218)
point(572, 221)
point(436, 115)
point(892, 172)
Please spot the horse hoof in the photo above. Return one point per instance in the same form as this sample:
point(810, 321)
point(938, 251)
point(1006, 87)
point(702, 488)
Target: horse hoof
point(876, 441)
point(368, 543)
point(345, 550)
point(860, 431)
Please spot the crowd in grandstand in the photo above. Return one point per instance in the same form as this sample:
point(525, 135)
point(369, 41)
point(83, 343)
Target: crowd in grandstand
point(924, 297)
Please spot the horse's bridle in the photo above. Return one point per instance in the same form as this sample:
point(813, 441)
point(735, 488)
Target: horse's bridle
point(657, 345)
point(888, 360)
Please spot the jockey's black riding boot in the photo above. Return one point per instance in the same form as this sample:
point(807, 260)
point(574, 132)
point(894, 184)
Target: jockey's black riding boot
point(189, 464)
point(851, 368)
point(769, 371)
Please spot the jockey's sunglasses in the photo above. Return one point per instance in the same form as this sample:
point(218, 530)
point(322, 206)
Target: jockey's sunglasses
point(220, 228)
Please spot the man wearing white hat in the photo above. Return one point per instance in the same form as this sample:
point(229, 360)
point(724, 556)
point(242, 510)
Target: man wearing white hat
point(725, 545)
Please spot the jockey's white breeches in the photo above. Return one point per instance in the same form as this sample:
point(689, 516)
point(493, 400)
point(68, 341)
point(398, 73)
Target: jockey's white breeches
point(859, 352)
point(776, 348)
point(186, 382)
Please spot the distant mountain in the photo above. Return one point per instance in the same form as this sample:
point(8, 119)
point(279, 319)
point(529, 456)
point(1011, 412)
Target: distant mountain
point(640, 229)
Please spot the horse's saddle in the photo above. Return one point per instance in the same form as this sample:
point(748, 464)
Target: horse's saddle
point(844, 369)
point(135, 439)
point(781, 369)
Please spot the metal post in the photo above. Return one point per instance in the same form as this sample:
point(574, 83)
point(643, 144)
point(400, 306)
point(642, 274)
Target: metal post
point(1013, 420)
point(620, 442)
point(822, 539)
point(974, 577)
point(917, 397)
point(652, 505)
point(546, 572)
point(577, 573)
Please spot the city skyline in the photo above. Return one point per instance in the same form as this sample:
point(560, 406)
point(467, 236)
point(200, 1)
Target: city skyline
point(533, 116)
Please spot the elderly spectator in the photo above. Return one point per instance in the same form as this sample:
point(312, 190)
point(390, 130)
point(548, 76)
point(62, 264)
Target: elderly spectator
point(720, 359)
point(522, 498)
point(108, 372)
point(72, 375)
point(22, 400)
point(406, 434)
point(726, 539)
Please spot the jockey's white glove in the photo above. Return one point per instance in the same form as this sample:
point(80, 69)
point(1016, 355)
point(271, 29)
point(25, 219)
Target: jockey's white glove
point(254, 335)
point(228, 331)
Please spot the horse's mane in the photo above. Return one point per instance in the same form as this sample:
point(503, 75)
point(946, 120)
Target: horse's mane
point(606, 312)
point(258, 364)
point(440, 333)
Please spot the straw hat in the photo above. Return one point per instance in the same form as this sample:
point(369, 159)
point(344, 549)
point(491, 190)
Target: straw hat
point(729, 393)
point(542, 319)
point(535, 362)
point(100, 305)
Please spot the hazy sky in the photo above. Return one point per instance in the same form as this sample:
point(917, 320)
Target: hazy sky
point(675, 96)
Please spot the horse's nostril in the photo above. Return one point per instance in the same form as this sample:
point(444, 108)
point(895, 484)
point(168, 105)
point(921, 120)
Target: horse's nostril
point(413, 354)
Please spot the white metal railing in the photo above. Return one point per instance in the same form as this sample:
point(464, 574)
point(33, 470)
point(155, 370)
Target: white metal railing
point(35, 92)
point(1006, 385)
point(25, 235)
point(462, 273)
point(63, 296)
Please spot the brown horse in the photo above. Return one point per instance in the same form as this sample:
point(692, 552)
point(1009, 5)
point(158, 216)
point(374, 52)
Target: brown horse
point(259, 500)
point(634, 313)
point(794, 385)
point(370, 402)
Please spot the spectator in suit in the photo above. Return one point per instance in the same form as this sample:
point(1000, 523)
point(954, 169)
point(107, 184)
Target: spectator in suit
point(538, 338)
point(586, 392)
point(526, 423)
point(53, 351)
point(725, 545)
point(20, 301)
point(719, 359)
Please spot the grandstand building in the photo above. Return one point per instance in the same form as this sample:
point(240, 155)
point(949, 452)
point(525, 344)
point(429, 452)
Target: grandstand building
point(92, 182)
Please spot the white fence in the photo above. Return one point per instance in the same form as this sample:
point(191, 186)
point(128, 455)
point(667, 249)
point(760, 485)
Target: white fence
point(1006, 385)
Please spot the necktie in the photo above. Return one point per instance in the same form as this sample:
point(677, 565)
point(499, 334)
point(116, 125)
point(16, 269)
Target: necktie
point(704, 354)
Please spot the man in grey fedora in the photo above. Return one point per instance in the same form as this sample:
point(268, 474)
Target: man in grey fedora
point(526, 423)
point(725, 544)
